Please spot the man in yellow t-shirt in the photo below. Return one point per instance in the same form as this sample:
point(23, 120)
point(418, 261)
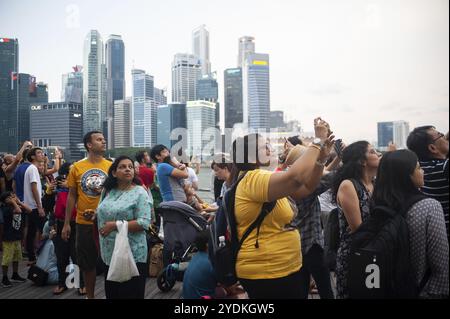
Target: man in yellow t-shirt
point(85, 181)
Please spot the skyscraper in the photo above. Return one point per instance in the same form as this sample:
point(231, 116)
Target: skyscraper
point(160, 96)
point(66, 130)
point(246, 47)
point(122, 123)
point(94, 83)
point(9, 68)
point(144, 121)
point(115, 68)
point(395, 131)
point(72, 86)
point(233, 97)
point(277, 120)
point(201, 115)
point(256, 91)
point(170, 117)
point(29, 93)
point(200, 48)
point(186, 70)
point(208, 90)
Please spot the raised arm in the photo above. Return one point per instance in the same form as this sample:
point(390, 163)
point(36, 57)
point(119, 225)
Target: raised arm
point(287, 183)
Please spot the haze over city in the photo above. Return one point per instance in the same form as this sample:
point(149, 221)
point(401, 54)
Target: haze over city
point(353, 62)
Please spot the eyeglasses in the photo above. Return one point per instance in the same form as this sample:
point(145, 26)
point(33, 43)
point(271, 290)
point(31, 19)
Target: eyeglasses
point(440, 135)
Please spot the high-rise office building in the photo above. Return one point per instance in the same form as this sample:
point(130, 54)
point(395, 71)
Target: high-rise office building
point(72, 86)
point(200, 48)
point(246, 47)
point(201, 115)
point(170, 117)
point(29, 93)
point(208, 90)
point(394, 131)
point(9, 68)
point(144, 121)
point(115, 77)
point(186, 70)
point(122, 123)
point(65, 131)
point(94, 83)
point(256, 91)
point(160, 96)
point(277, 120)
point(233, 97)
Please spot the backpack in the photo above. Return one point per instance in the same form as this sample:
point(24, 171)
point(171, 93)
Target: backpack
point(224, 258)
point(156, 260)
point(379, 261)
point(332, 236)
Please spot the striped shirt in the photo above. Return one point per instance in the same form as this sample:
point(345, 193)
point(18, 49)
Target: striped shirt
point(436, 183)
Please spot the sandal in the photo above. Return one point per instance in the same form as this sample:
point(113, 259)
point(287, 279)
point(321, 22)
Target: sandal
point(59, 290)
point(82, 291)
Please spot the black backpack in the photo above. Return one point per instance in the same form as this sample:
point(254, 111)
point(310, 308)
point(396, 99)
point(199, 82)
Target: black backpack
point(224, 258)
point(379, 261)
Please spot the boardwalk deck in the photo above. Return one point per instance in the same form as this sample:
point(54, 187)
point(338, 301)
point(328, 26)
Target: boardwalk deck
point(27, 290)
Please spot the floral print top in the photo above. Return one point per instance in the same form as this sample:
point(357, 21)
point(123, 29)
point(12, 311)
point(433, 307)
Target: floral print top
point(132, 204)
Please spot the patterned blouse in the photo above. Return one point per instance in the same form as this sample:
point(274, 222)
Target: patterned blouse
point(429, 246)
point(132, 204)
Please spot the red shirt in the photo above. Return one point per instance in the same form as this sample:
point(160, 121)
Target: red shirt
point(147, 176)
point(60, 206)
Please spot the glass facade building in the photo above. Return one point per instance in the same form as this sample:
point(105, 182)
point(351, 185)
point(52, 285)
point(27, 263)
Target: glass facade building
point(144, 113)
point(9, 68)
point(170, 117)
point(233, 97)
point(256, 91)
point(65, 131)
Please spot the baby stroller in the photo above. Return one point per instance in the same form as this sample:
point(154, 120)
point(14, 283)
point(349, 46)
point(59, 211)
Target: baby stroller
point(181, 223)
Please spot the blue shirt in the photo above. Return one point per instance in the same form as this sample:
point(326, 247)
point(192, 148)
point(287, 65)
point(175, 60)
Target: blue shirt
point(19, 177)
point(199, 279)
point(171, 188)
point(133, 204)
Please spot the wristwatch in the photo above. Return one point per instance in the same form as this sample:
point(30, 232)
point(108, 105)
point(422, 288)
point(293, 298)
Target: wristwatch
point(318, 142)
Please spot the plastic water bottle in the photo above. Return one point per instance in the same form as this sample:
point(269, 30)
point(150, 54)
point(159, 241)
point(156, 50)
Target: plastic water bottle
point(221, 241)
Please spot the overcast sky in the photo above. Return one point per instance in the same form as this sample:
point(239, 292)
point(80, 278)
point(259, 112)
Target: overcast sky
point(353, 62)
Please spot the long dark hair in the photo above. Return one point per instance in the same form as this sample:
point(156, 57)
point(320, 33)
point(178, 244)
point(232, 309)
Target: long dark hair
point(111, 181)
point(353, 157)
point(250, 161)
point(394, 184)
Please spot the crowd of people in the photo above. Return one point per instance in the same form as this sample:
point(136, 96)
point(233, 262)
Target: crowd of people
point(285, 257)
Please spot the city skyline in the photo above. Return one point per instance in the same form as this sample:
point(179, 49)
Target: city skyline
point(355, 63)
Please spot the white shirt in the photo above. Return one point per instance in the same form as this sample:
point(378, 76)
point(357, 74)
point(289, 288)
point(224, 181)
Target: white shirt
point(31, 176)
point(192, 177)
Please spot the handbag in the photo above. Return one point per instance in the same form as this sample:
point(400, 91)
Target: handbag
point(37, 275)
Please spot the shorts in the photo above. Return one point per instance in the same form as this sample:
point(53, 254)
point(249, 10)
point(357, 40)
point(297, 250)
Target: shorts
point(12, 252)
point(86, 249)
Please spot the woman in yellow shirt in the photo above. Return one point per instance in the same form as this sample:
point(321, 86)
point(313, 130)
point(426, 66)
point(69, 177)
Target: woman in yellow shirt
point(268, 263)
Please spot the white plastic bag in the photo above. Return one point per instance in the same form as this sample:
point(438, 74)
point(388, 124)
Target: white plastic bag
point(122, 267)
